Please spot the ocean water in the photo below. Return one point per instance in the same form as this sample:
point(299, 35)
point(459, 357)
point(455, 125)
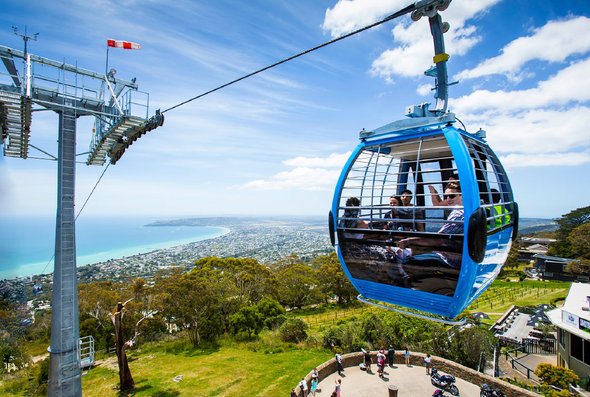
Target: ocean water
point(27, 244)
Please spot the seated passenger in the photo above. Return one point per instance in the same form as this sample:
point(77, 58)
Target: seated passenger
point(500, 213)
point(390, 219)
point(395, 202)
point(351, 218)
point(436, 200)
point(454, 225)
point(410, 214)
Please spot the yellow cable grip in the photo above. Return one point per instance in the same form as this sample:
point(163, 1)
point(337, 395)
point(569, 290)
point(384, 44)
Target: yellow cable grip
point(442, 57)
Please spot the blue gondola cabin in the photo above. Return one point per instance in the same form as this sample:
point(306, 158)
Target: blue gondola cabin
point(423, 215)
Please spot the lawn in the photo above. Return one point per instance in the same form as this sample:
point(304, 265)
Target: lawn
point(236, 370)
point(503, 294)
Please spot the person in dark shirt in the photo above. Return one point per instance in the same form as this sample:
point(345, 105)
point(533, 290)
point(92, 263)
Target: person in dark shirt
point(408, 214)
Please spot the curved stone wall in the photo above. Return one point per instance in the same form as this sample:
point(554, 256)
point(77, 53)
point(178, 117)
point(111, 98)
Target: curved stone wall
point(417, 359)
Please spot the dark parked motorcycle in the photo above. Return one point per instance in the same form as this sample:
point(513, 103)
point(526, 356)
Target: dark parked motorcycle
point(445, 382)
point(487, 391)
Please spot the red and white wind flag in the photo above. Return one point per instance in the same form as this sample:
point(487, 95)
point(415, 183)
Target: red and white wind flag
point(126, 45)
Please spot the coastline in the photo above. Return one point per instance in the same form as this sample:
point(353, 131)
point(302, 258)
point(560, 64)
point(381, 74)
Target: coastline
point(47, 267)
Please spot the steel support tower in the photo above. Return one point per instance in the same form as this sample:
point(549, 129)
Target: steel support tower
point(64, 369)
point(71, 92)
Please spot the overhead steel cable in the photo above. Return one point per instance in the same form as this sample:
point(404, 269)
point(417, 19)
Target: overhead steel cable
point(388, 18)
point(395, 15)
point(92, 191)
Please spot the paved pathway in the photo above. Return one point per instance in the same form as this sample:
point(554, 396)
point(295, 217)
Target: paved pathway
point(411, 382)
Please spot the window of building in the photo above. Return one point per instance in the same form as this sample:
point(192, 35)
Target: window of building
point(577, 347)
point(587, 352)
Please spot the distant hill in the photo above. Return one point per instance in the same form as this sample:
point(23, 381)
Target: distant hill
point(526, 225)
point(242, 220)
point(536, 225)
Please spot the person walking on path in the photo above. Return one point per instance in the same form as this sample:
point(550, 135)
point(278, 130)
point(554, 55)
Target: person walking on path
point(380, 363)
point(314, 387)
point(303, 386)
point(338, 387)
point(339, 363)
point(407, 356)
point(427, 364)
point(293, 393)
point(314, 374)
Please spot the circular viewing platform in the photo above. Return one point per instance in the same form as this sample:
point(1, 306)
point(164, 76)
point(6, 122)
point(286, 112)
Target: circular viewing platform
point(409, 380)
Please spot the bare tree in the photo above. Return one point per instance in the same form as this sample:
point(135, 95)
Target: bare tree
point(125, 379)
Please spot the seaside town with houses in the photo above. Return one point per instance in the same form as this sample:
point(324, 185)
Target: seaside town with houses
point(267, 241)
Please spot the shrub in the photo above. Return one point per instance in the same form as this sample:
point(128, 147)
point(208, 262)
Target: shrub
point(43, 375)
point(293, 330)
point(556, 376)
point(275, 322)
point(346, 336)
point(152, 329)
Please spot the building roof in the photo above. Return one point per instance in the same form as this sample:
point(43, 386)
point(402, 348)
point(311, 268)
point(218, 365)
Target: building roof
point(553, 258)
point(535, 248)
point(538, 240)
point(574, 316)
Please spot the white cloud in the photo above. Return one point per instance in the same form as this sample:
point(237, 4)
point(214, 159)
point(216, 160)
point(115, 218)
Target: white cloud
point(544, 160)
point(415, 51)
point(310, 173)
point(568, 85)
point(348, 15)
point(333, 160)
point(302, 178)
point(541, 126)
point(542, 132)
point(554, 42)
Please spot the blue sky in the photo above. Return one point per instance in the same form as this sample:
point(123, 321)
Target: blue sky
point(274, 143)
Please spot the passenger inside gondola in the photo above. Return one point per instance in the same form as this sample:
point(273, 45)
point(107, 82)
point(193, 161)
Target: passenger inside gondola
point(453, 225)
point(500, 213)
point(434, 271)
point(435, 197)
point(390, 220)
point(429, 263)
point(393, 215)
point(351, 218)
point(409, 214)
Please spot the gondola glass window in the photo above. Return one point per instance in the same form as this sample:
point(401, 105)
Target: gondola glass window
point(495, 193)
point(400, 201)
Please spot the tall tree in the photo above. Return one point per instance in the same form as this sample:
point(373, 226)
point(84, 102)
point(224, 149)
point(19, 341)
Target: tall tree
point(196, 301)
point(470, 345)
point(253, 280)
point(579, 267)
point(248, 319)
point(567, 223)
point(332, 280)
point(95, 304)
point(298, 286)
point(579, 241)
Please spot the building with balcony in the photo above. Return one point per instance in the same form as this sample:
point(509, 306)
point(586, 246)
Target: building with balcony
point(573, 330)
